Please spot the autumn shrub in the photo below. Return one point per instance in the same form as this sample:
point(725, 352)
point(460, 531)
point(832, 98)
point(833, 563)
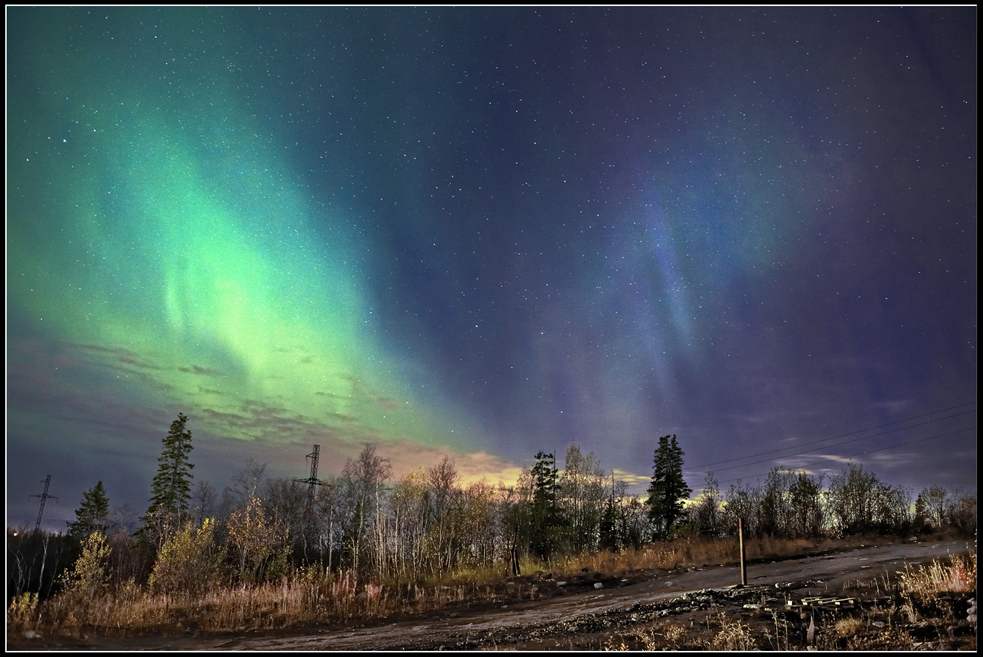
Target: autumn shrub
point(188, 563)
point(259, 543)
point(22, 613)
point(87, 582)
point(84, 588)
point(88, 578)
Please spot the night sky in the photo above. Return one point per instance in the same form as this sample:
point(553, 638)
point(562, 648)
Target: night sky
point(486, 232)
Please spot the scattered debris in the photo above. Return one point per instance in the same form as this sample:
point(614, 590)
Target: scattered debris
point(817, 601)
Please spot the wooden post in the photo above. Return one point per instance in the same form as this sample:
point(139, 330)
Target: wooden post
point(740, 540)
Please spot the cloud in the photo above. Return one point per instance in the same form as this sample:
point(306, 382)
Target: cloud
point(630, 478)
point(894, 406)
point(200, 370)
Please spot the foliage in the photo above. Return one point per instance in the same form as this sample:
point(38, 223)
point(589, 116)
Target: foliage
point(961, 513)
point(92, 514)
point(290, 507)
point(255, 539)
point(515, 520)
point(705, 514)
point(808, 516)
point(126, 559)
point(88, 579)
point(934, 504)
point(428, 530)
point(668, 488)
point(441, 516)
point(188, 562)
point(362, 489)
point(171, 489)
point(582, 500)
point(22, 612)
point(859, 502)
point(545, 518)
point(791, 504)
point(742, 502)
point(611, 525)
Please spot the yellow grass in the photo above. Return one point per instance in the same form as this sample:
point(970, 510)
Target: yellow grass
point(733, 635)
point(679, 553)
point(958, 576)
point(313, 595)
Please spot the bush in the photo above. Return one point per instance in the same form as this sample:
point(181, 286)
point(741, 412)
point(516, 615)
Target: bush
point(188, 562)
point(962, 513)
point(88, 579)
point(22, 614)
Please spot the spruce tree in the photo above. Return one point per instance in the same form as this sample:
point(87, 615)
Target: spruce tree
point(668, 488)
point(91, 515)
point(611, 526)
point(546, 519)
point(171, 488)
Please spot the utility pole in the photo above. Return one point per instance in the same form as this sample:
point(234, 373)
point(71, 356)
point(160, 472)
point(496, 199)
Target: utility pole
point(740, 541)
point(44, 496)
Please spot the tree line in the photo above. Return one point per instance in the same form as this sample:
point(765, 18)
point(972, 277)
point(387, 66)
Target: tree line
point(429, 524)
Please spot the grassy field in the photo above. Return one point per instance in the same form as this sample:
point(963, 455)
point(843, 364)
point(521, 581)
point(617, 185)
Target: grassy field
point(921, 607)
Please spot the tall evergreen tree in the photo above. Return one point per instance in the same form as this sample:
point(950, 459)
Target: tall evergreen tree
point(171, 488)
point(91, 516)
point(610, 527)
point(668, 488)
point(546, 522)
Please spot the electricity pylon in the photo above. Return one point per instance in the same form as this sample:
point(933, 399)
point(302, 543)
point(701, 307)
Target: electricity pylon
point(44, 496)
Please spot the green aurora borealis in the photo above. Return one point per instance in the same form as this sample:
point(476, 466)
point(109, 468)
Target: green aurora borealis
point(481, 232)
point(177, 259)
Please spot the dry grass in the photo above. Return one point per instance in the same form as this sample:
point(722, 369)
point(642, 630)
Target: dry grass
point(313, 595)
point(310, 597)
point(679, 553)
point(847, 627)
point(922, 611)
point(668, 635)
point(674, 634)
point(733, 635)
point(958, 576)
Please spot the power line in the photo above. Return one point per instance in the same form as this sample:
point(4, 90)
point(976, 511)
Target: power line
point(851, 433)
point(845, 442)
point(869, 451)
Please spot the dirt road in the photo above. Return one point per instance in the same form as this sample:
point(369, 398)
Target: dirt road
point(530, 623)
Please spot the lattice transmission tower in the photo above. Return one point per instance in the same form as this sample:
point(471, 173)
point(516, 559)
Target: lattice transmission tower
point(44, 496)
